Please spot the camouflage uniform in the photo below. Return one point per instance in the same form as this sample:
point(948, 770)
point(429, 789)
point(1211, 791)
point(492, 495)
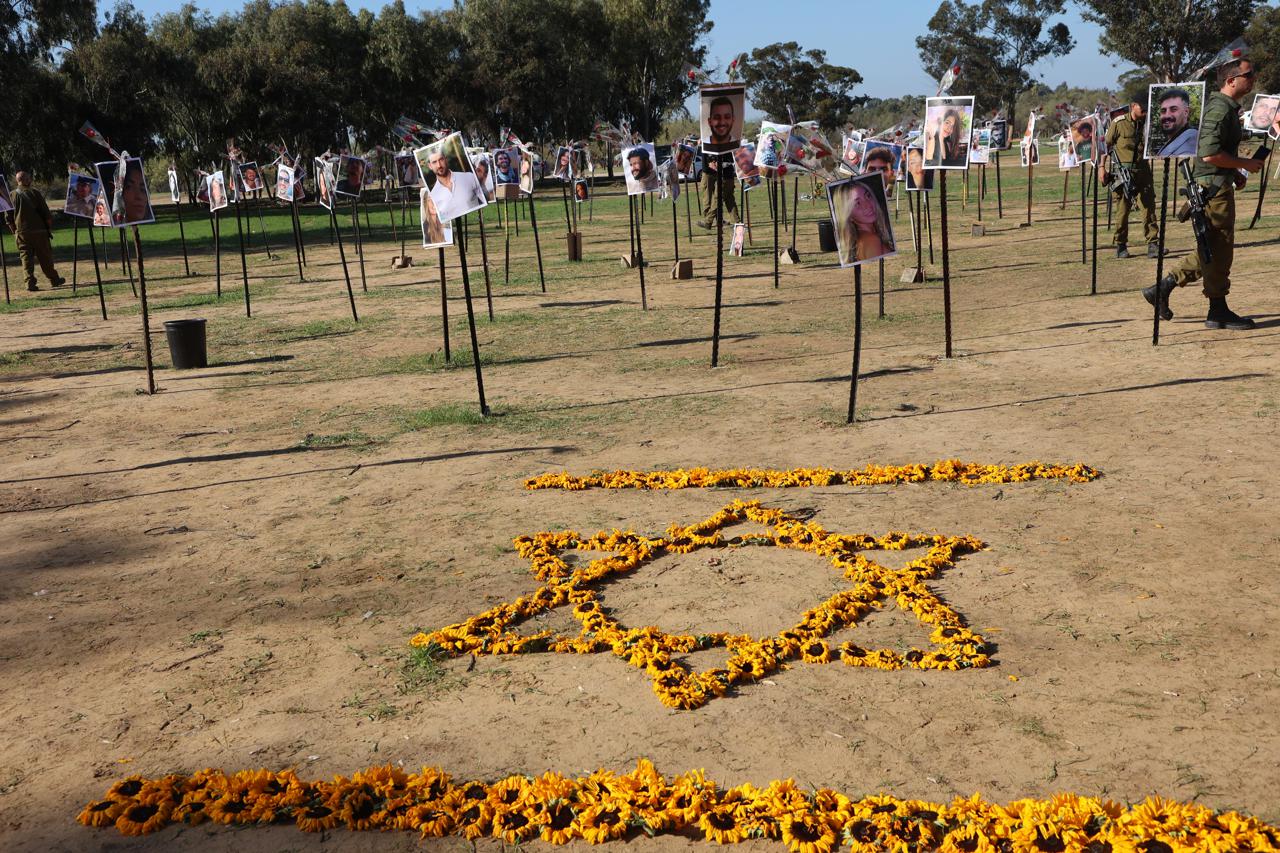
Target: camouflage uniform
point(1124, 141)
point(32, 226)
point(1220, 132)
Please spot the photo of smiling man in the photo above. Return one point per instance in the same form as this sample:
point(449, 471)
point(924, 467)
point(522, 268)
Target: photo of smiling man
point(1173, 120)
point(720, 117)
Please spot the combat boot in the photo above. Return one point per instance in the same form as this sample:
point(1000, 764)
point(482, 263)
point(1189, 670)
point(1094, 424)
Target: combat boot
point(1122, 251)
point(1163, 289)
point(1222, 317)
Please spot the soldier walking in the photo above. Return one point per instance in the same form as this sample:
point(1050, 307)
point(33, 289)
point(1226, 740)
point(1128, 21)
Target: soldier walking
point(1124, 147)
point(32, 226)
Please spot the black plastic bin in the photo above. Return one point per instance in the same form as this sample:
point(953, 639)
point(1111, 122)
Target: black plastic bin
point(186, 343)
point(826, 235)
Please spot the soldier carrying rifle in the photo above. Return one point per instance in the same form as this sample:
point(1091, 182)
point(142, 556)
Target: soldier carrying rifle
point(1218, 172)
point(1130, 177)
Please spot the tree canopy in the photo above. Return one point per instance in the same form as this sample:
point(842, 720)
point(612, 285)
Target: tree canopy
point(304, 71)
point(996, 42)
point(782, 75)
point(1171, 39)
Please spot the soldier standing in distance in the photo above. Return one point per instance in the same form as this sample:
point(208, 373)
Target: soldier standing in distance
point(1124, 145)
point(32, 226)
point(1217, 162)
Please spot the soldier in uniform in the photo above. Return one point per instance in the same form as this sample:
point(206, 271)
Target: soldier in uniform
point(32, 226)
point(1124, 145)
point(1216, 168)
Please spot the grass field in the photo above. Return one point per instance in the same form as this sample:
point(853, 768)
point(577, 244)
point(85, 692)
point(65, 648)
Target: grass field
point(228, 573)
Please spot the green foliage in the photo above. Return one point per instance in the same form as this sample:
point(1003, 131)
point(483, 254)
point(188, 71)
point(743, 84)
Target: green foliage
point(996, 42)
point(782, 75)
point(1263, 38)
point(302, 72)
point(879, 113)
point(1171, 39)
point(448, 414)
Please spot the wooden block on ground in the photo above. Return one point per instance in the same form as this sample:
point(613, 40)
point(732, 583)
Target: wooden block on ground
point(401, 262)
point(911, 276)
point(789, 256)
point(628, 261)
point(979, 229)
point(682, 269)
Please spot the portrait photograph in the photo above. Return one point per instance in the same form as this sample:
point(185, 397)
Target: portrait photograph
point(640, 168)
point(1084, 139)
point(325, 182)
point(808, 149)
point(918, 177)
point(771, 146)
point(506, 166)
point(126, 195)
point(980, 146)
point(6, 203)
point(669, 176)
point(744, 165)
point(284, 183)
point(580, 161)
point(860, 213)
point(216, 189)
point(851, 151)
point(1067, 159)
point(722, 109)
point(407, 174)
point(351, 176)
point(562, 168)
point(684, 155)
point(1264, 116)
point(454, 187)
point(1000, 135)
point(174, 195)
point(948, 128)
point(739, 239)
point(581, 190)
point(528, 173)
point(436, 233)
point(1174, 111)
point(250, 177)
point(82, 194)
point(884, 158)
point(482, 168)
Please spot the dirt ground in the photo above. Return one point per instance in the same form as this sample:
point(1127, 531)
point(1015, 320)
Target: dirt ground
point(227, 574)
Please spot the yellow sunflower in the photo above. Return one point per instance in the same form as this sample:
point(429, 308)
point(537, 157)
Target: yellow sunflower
point(806, 832)
point(100, 813)
point(815, 651)
point(192, 809)
point(143, 818)
point(316, 818)
point(723, 824)
point(513, 826)
point(558, 823)
point(431, 820)
point(603, 822)
point(126, 789)
point(357, 810)
point(230, 808)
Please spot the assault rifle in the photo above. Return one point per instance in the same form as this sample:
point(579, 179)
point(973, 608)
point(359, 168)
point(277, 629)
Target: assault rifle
point(1199, 218)
point(1124, 178)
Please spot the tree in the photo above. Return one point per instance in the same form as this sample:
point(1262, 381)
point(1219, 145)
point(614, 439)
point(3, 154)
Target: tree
point(649, 43)
point(35, 101)
point(1171, 39)
point(1263, 38)
point(781, 75)
point(996, 42)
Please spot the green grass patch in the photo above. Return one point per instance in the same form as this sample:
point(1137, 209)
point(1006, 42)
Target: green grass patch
point(448, 414)
point(14, 359)
point(432, 362)
point(350, 438)
point(318, 329)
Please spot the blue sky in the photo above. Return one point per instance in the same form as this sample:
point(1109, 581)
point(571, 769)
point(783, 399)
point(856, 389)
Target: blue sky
point(878, 39)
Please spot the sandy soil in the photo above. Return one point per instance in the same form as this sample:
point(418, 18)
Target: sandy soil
point(227, 573)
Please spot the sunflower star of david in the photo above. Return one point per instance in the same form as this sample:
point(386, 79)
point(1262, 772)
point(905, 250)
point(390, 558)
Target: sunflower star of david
point(749, 658)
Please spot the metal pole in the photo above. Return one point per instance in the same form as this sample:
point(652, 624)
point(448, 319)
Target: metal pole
point(146, 317)
point(537, 244)
point(946, 261)
point(1164, 212)
point(857, 341)
point(484, 260)
point(715, 329)
point(471, 324)
point(1093, 286)
point(93, 247)
point(444, 308)
point(342, 256)
point(355, 225)
point(244, 267)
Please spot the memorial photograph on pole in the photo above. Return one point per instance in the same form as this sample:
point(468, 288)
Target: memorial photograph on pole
point(1173, 120)
point(450, 179)
point(722, 110)
point(863, 225)
point(948, 129)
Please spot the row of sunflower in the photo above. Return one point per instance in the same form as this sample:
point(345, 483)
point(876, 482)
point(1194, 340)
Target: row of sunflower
point(605, 806)
point(955, 646)
point(946, 470)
